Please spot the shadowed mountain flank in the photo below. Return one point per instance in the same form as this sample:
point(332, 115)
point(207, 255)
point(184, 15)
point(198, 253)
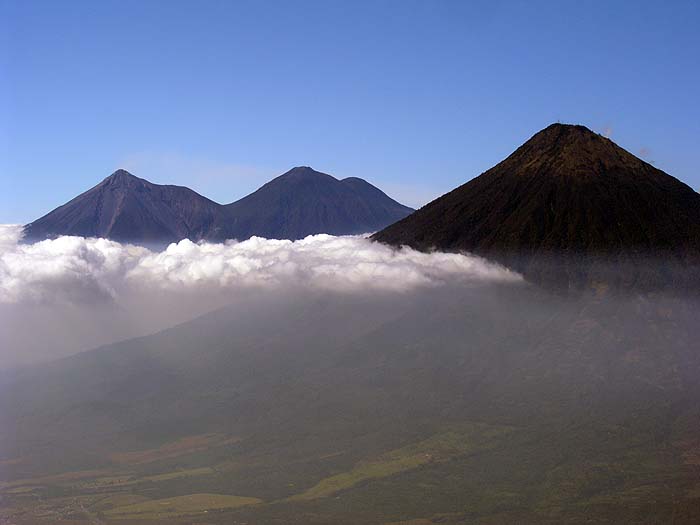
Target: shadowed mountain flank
point(303, 202)
point(126, 208)
point(299, 203)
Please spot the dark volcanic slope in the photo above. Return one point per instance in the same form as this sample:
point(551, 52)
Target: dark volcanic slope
point(303, 201)
point(566, 200)
point(125, 208)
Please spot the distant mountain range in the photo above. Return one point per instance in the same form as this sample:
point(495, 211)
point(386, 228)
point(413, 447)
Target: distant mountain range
point(496, 403)
point(298, 203)
point(569, 207)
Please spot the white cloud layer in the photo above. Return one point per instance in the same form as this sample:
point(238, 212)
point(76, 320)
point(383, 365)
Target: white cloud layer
point(77, 270)
point(62, 296)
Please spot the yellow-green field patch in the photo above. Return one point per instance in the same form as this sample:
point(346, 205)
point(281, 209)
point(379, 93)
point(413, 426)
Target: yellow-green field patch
point(204, 471)
point(180, 506)
point(436, 448)
point(57, 479)
point(22, 490)
point(173, 449)
point(126, 480)
point(117, 500)
point(116, 481)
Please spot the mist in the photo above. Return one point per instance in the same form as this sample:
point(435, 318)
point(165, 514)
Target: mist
point(285, 363)
point(70, 294)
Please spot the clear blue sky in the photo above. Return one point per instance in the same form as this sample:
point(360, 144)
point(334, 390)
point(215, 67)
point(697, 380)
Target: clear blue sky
point(415, 96)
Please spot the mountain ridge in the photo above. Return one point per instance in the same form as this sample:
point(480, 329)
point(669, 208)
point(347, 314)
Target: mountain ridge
point(292, 203)
point(127, 208)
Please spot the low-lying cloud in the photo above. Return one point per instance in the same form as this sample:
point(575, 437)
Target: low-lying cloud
point(77, 269)
point(69, 294)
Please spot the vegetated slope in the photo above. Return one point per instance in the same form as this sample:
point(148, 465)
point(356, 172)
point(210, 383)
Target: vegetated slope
point(303, 201)
point(126, 208)
point(567, 207)
point(501, 403)
point(299, 203)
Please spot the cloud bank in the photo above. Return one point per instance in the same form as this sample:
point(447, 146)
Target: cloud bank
point(62, 296)
point(80, 270)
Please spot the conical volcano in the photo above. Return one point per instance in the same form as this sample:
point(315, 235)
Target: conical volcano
point(569, 207)
point(304, 201)
point(129, 209)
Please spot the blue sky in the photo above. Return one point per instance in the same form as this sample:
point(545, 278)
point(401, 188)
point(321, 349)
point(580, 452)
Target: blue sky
point(415, 96)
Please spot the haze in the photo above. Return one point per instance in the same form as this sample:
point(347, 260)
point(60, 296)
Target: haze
point(311, 262)
point(78, 293)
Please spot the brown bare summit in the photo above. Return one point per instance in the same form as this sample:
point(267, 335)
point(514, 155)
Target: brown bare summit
point(568, 208)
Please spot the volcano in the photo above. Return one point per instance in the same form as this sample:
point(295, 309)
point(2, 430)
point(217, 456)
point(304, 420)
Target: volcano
point(567, 208)
point(298, 203)
point(304, 202)
point(126, 208)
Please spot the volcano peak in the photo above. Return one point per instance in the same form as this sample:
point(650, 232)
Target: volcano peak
point(564, 202)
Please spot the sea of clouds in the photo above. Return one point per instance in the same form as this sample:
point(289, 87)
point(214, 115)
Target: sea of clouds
point(69, 294)
point(77, 269)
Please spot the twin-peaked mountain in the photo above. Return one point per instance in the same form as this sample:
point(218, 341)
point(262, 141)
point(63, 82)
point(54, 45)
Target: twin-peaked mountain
point(303, 202)
point(298, 203)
